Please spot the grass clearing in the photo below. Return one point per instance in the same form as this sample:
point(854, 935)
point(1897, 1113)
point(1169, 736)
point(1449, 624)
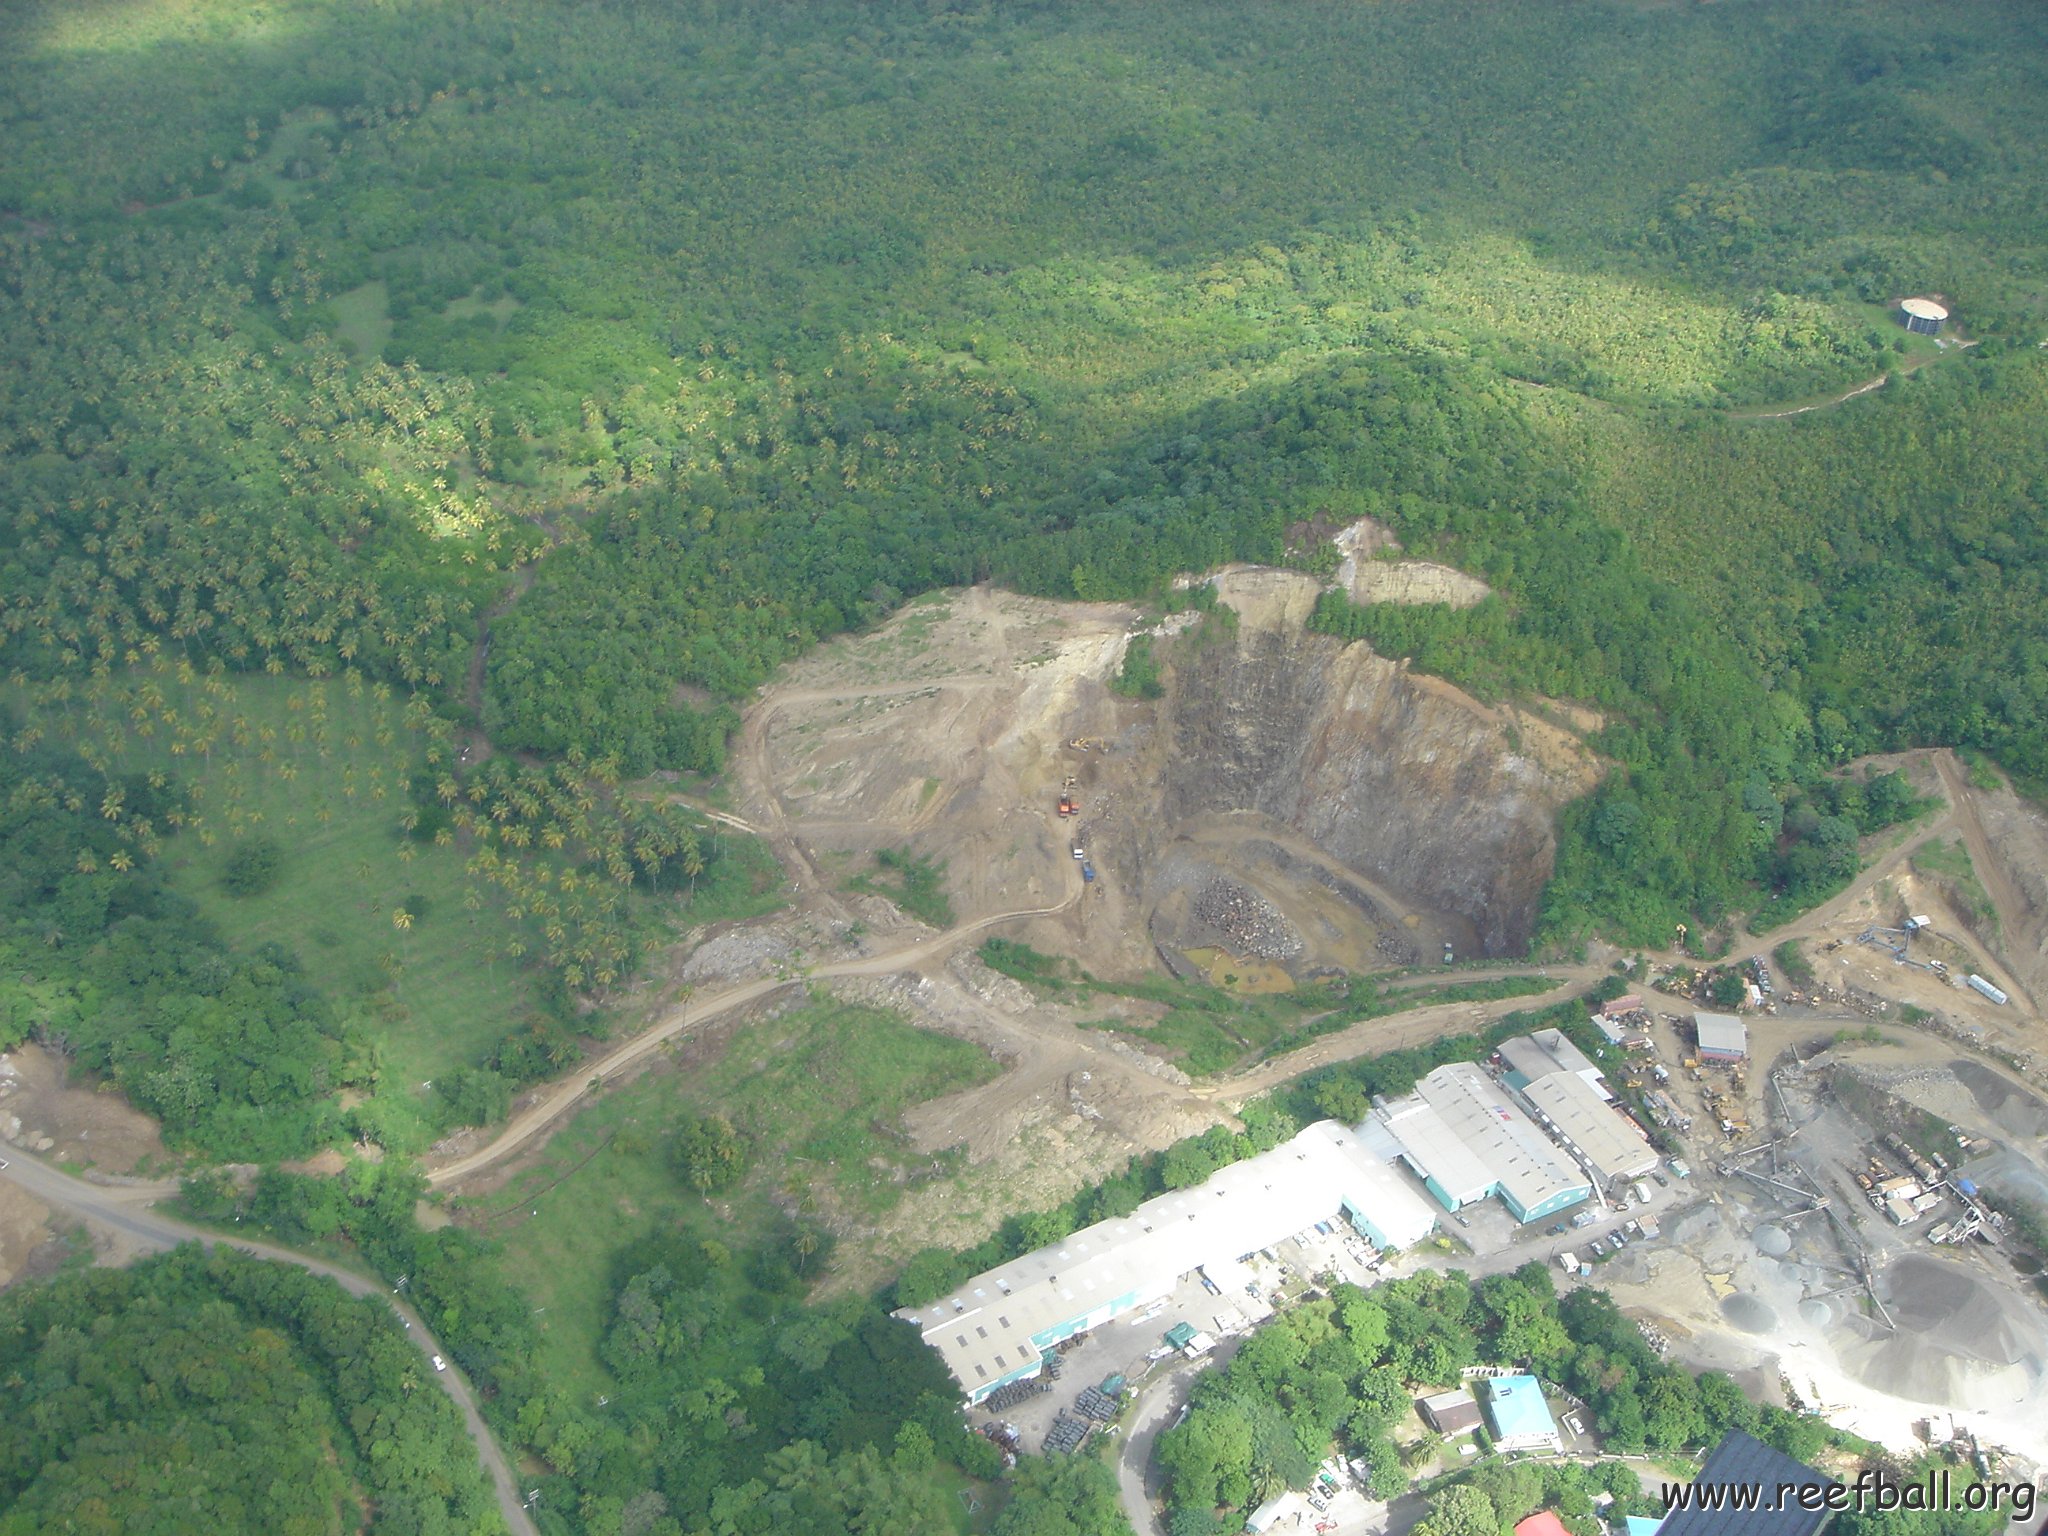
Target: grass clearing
point(914, 882)
point(817, 1093)
point(362, 320)
point(1949, 864)
point(1793, 964)
point(1205, 1029)
point(320, 770)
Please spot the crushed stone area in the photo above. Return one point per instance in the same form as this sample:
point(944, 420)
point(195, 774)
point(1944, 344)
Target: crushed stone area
point(1248, 923)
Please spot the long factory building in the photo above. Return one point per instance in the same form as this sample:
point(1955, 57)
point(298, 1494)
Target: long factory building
point(996, 1328)
point(1459, 1133)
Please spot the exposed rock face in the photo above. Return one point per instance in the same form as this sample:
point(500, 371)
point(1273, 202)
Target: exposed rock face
point(1402, 778)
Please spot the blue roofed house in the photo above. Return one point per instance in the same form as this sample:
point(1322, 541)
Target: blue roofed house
point(1518, 1417)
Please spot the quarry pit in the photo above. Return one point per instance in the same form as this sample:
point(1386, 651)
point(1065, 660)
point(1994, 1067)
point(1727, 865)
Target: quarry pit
point(1290, 806)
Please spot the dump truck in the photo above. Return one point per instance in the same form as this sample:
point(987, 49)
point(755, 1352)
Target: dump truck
point(1067, 805)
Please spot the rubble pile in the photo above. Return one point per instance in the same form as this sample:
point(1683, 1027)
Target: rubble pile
point(1252, 925)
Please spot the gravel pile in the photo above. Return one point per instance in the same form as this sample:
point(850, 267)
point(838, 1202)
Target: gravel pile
point(1252, 924)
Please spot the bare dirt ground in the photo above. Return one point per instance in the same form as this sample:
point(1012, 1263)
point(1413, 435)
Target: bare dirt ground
point(43, 1111)
point(1370, 577)
point(26, 1237)
point(955, 729)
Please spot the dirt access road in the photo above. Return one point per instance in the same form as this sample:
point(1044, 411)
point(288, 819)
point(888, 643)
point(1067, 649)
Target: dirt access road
point(2020, 925)
point(1375, 1036)
point(551, 1106)
point(120, 1209)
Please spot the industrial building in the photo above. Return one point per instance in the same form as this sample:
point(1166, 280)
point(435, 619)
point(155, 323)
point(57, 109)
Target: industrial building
point(1532, 1058)
point(1591, 1129)
point(1568, 1096)
point(1923, 317)
point(1461, 1133)
point(995, 1328)
point(1518, 1417)
point(1721, 1036)
point(1448, 1165)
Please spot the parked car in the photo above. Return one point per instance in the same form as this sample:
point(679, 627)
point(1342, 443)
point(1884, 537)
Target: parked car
point(440, 1364)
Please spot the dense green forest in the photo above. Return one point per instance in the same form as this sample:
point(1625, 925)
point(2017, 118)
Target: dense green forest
point(741, 1406)
point(215, 1392)
point(660, 343)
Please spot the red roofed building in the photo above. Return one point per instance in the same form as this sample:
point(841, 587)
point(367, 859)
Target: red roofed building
point(1542, 1523)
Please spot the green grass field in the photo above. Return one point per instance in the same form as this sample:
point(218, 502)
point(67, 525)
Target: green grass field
point(1949, 862)
point(322, 767)
point(817, 1093)
point(436, 995)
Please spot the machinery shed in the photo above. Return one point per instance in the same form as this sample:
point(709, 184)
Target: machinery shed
point(1605, 1144)
point(1721, 1036)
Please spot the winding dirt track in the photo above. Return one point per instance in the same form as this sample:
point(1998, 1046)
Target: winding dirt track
point(541, 1114)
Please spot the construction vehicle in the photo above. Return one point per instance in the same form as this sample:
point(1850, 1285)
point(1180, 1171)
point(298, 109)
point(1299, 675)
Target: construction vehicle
point(1067, 807)
point(1087, 743)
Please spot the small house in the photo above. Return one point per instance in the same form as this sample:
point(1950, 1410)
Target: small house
point(1450, 1413)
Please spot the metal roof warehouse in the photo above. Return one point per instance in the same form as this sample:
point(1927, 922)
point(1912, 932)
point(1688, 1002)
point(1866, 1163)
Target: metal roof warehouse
point(1722, 1036)
point(1576, 1114)
point(1531, 1175)
point(1441, 1155)
point(995, 1328)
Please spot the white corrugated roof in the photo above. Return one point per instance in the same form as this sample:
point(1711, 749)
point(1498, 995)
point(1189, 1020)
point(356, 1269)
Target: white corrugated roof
point(983, 1328)
point(1584, 1121)
point(1721, 1032)
point(1436, 1149)
point(1529, 1168)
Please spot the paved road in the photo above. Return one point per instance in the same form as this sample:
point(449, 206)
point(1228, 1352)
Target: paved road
point(1158, 1410)
point(117, 1208)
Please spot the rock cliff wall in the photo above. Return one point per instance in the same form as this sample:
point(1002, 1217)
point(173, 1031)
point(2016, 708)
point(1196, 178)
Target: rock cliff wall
point(1402, 778)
